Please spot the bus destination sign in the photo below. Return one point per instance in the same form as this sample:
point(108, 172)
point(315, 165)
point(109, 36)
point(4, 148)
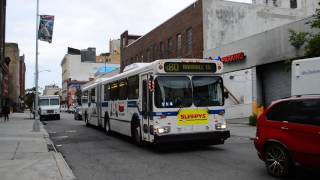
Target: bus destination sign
point(189, 67)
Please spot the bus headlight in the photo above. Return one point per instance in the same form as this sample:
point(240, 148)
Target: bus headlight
point(162, 130)
point(221, 126)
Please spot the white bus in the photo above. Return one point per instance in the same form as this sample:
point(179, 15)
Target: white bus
point(165, 101)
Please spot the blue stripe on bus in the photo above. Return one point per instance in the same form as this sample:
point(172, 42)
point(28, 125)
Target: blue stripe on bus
point(104, 104)
point(176, 113)
point(132, 104)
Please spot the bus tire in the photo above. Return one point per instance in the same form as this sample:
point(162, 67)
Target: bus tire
point(58, 117)
point(136, 132)
point(107, 126)
point(86, 118)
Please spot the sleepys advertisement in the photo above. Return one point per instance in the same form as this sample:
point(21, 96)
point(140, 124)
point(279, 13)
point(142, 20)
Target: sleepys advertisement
point(189, 117)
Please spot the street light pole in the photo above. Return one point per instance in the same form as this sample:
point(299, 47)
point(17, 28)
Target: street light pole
point(36, 127)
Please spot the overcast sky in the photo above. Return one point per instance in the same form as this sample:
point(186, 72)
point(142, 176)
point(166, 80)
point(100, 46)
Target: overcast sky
point(80, 24)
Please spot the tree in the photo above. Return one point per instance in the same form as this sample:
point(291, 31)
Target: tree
point(313, 45)
point(29, 97)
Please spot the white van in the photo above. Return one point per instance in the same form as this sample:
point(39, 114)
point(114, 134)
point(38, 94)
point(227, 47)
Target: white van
point(306, 77)
point(49, 107)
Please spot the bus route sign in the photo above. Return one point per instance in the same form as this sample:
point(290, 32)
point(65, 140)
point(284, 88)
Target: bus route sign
point(189, 67)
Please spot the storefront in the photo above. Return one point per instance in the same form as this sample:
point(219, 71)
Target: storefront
point(258, 69)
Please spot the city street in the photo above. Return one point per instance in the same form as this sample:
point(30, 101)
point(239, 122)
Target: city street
point(93, 155)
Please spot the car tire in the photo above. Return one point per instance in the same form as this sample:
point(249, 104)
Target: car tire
point(277, 160)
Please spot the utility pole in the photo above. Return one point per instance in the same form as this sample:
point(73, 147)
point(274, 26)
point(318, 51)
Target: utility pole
point(36, 127)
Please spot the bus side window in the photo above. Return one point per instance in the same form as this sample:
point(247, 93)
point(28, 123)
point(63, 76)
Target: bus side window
point(93, 95)
point(123, 93)
point(133, 87)
point(106, 92)
point(114, 93)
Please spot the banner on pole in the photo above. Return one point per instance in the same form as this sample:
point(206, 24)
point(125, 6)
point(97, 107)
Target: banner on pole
point(46, 28)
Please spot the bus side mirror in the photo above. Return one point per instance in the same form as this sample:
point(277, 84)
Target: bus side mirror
point(226, 94)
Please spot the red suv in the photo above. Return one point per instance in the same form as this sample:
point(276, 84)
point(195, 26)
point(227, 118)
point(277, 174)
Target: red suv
point(288, 133)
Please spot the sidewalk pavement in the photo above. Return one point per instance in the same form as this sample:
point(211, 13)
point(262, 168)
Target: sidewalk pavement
point(29, 155)
point(240, 127)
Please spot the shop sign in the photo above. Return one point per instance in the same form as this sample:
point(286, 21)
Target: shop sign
point(233, 58)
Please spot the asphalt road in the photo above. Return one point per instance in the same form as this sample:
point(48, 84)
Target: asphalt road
point(92, 155)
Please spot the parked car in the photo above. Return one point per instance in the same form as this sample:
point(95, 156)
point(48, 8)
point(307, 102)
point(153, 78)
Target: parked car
point(288, 134)
point(77, 113)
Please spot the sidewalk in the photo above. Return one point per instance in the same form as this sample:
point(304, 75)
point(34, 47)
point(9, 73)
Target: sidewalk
point(29, 155)
point(241, 128)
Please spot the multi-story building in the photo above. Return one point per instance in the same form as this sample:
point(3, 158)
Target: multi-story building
point(16, 75)
point(180, 36)
point(258, 33)
point(22, 80)
point(51, 90)
point(4, 71)
point(77, 71)
point(208, 28)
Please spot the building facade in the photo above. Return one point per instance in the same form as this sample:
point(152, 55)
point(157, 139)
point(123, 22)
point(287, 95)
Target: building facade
point(4, 64)
point(259, 32)
point(22, 80)
point(76, 72)
point(16, 76)
point(179, 37)
point(207, 28)
point(264, 74)
point(51, 90)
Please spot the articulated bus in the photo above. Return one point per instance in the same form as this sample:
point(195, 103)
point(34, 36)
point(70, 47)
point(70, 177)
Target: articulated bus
point(165, 101)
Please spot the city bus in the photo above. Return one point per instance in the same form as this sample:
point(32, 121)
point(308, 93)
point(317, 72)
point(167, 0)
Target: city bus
point(165, 101)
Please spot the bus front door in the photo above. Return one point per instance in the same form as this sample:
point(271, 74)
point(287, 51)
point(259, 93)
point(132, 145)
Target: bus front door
point(146, 107)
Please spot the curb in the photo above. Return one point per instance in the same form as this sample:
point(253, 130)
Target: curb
point(63, 167)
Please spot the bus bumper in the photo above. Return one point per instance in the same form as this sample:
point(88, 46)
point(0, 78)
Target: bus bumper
point(217, 137)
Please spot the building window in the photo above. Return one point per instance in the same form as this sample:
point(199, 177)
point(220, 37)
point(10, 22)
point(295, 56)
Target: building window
point(161, 53)
point(189, 41)
point(293, 4)
point(178, 45)
point(170, 46)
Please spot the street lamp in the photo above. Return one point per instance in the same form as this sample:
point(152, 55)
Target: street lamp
point(36, 127)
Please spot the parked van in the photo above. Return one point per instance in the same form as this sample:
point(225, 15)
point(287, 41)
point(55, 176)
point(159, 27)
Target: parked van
point(49, 107)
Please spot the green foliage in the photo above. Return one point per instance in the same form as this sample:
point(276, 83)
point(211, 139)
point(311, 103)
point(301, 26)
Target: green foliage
point(315, 23)
point(253, 120)
point(313, 46)
point(29, 97)
point(297, 39)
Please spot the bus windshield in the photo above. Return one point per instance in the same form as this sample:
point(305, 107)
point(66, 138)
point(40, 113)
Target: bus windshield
point(177, 91)
point(207, 91)
point(173, 92)
point(54, 101)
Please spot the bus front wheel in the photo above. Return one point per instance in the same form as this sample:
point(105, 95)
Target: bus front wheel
point(107, 124)
point(136, 133)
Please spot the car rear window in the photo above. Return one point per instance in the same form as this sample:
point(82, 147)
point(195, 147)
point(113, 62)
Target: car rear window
point(304, 111)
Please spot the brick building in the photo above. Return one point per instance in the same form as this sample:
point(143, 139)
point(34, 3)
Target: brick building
point(179, 37)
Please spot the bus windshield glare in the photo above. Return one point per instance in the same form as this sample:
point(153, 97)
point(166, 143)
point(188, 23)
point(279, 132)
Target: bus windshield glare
point(207, 91)
point(176, 91)
point(173, 92)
